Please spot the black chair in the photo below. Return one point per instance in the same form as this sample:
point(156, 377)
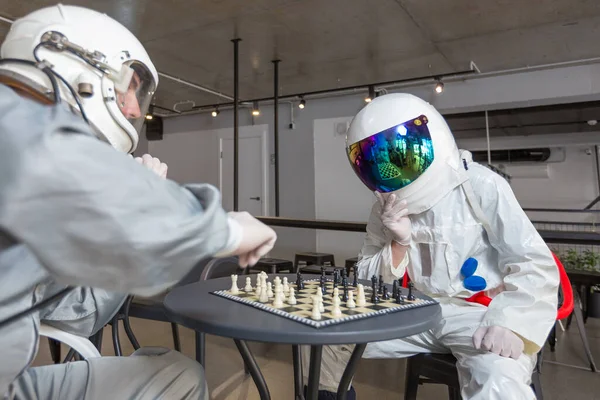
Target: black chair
point(274, 265)
point(312, 258)
point(149, 308)
point(215, 268)
point(441, 368)
point(351, 265)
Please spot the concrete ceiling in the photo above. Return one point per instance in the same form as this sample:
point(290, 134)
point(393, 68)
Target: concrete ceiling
point(336, 43)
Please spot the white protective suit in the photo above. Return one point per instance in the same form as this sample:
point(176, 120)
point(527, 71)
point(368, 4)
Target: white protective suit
point(521, 275)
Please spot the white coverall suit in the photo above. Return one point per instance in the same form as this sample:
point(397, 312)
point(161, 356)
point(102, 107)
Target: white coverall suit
point(513, 254)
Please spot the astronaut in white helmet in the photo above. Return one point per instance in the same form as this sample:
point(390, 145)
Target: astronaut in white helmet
point(82, 224)
point(458, 231)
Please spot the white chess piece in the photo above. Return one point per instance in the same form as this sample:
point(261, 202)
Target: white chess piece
point(264, 296)
point(286, 286)
point(277, 281)
point(361, 301)
point(234, 287)
point(248, 287)
point(316, 314)
point(269, 290)
point(336, 312)
point(336, 292)
point(278, 297)
point(292, 298)
point(350, 303)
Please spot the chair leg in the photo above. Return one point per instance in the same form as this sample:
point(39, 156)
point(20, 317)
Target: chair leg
point(115, 337)
point(411, 386)
point(54, 350)
point(200, 348)
point(581, 326)
point(536, 385)
point(552, 338)
point(127, 324)
point(453, 394)
point(176, 342)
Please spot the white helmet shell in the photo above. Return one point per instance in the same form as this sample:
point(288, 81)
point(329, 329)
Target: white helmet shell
point(94, 32)
point(445, 171)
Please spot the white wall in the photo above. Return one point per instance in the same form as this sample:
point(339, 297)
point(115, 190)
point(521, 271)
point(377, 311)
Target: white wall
point(317, 182)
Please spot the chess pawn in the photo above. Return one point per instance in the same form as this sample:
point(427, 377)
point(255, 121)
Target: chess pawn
point(278, 297)
point(264, 297)
point(360, 300)
point(336, 292)
point(248, 287)
point(350, 303)
point(316, 313)
point(277, 281)
point(286, 286)
point(269, 290)
point(292, 299)
point(336, 312)
point(234, 287)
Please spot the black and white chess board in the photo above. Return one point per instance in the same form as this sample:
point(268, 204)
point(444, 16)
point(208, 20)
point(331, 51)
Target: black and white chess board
point(302, 310)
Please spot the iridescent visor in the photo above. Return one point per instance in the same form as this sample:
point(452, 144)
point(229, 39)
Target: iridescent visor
point(394, 158)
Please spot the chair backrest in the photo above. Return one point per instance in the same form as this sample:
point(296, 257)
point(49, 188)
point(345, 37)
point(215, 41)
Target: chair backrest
point(81, 345)
point(221, 268)
point(195, 274)
point(565, 284)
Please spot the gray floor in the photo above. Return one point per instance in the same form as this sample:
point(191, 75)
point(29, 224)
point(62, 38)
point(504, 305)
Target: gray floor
point(376, 379)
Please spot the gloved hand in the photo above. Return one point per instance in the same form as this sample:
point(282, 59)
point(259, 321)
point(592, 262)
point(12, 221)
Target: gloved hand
point(257, 239)
point(394, 216)
point(153, 164)
point(498, 340)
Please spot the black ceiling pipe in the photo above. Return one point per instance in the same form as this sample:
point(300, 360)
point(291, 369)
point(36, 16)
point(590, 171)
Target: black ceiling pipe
point(276, 130)
point(236, 133)
point(342, 89)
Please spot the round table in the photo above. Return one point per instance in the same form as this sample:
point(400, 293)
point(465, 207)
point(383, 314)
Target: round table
point(195, 307)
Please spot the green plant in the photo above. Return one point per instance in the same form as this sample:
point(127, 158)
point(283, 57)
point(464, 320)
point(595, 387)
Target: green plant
point(572, 260)
point(590, 260)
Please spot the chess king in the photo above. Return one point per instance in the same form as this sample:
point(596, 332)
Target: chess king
point(458, 231)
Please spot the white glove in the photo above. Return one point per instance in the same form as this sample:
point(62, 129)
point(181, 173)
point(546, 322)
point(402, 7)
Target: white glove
point(498, 340)
point(153, 164)
point(253, 239)
point(394, 216)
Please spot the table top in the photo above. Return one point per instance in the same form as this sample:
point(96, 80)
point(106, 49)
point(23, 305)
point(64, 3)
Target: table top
point(195, 307)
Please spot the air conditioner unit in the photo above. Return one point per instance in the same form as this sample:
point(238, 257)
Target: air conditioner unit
point(529, 156)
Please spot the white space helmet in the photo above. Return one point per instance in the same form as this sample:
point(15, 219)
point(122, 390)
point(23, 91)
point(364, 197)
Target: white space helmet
point(400, 143)
point(97, 56)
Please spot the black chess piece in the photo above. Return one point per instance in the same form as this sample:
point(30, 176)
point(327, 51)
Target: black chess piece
point(386, 295)
point(345, 284)
point(395, 289)
point(299, 281)
point(380, 290)
point(399, 299)
point(323, 271)
point(323, 285)
point(355, 281)
point(344, 275)
point(374, 296)
point(335, 278)
point(411, 296)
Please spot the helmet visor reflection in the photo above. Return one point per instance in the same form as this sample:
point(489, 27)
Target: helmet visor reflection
point(394, 158)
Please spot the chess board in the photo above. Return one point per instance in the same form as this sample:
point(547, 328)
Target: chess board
point(302, 311)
